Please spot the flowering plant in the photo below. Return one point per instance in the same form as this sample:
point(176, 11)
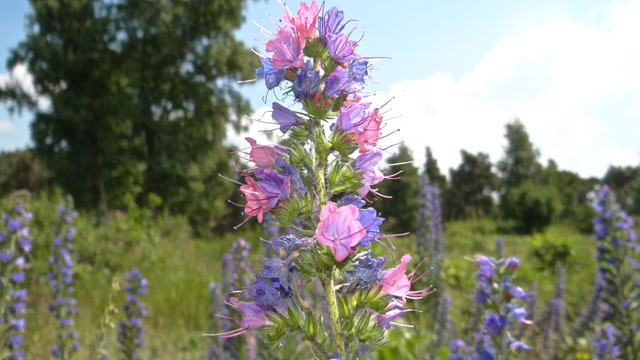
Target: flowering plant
point(317, 192)
point(617, 280)
point(60, 275)
point(15, 247)
point(497, 298)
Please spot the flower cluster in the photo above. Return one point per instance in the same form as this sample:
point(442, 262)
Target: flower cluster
point(130, 331)
point(60, 278)
point(617, 255)
point(15, 245)
point(551, 323)
point(236, 269)
point(316, 189)
point(497, 297)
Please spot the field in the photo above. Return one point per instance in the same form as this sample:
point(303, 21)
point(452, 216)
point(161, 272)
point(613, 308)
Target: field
point(180, 266)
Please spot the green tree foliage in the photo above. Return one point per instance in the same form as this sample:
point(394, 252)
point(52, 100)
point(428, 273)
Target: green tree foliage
point(21, 170)
point(520, 160)
point(573, 192)
point(141, 92)
point(621, 180)
point(635, 191)
point(401, 210)
point(472, 184)
point(533, 206)
point(432, 171)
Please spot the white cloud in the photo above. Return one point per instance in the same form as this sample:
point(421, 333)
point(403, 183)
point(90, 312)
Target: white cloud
point(6, 126)
point(257, 130)
point(20, 75)
point(547, 75)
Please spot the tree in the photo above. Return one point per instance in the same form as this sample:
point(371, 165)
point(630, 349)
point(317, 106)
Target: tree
point(19, 169)
point(401, 210)
point(621, 180)
point(141, 92)
point(471, 189)
point(432, 171)
point(573, 192)
point(533, 206)
point(520, 161)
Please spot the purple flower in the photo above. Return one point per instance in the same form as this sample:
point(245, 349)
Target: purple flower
point(520, 314)
point(495, 323)
point(481, 296)
point(15, 341)
point(17, 324)
point(289, 243)
point(17, 277)
point(278, 270)
point(519, 346)
point(14, 225)
point(512, 263)
point(486, 265)
point(386, 320)
point(330, 23)
point(352, 116)
point(267, 294)
point(342, 48)
point(307, 82)
point(285, 117)
point(273, 186)
point(130, 332)
point(253, 315)
point(515, 292)
point(371, 223)
point(367, 272)
point(337, 82)
point(358, 69)
point(273, 77)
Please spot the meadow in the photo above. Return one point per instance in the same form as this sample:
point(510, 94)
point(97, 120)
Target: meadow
point(179, 267)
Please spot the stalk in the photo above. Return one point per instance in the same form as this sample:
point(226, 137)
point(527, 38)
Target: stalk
point(338, 336)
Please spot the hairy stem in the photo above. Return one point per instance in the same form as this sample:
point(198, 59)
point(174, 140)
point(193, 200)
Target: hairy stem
point(332, 303)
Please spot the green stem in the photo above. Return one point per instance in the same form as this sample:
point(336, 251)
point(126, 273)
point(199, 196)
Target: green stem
point(318, 165)
point(332, 303)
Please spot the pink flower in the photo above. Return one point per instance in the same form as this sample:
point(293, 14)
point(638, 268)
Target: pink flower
point(396, 282)
point(339, 229)
point(287, 48)
point(368, 134)
point(257, 201)
point(369, 179)
point(305, 20)
point(264, 156)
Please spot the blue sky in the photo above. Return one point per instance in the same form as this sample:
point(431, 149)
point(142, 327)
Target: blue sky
point(459, 70)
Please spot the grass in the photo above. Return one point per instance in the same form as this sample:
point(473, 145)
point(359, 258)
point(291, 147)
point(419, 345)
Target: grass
point(180, 266)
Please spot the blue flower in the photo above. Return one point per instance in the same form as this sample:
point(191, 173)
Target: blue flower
point(358, 69)
point(278, 270)
point(273, 77)
point(495, 323)
point(371, 223)
point(367, 271)
point(265, 294)
point(285, 117)
point(307, 82)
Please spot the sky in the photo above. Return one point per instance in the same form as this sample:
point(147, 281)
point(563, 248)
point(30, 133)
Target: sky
point(458, 71)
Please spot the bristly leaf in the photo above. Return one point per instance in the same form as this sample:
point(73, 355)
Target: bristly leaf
point(342, 143)
point(295, 207)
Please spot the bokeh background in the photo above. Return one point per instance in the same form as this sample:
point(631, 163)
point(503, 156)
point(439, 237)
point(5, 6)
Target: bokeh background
point(516, 110)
